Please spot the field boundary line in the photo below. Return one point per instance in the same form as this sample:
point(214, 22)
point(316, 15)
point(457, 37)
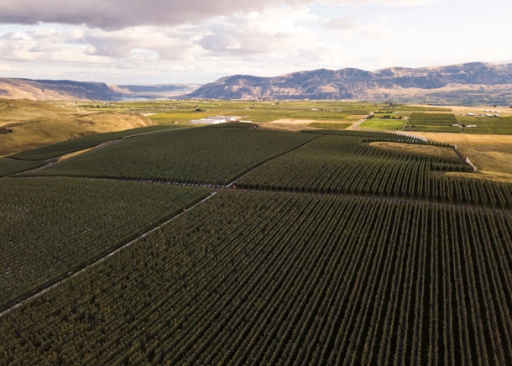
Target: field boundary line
point(270, 159)
point(52, 161)
point(158, 131)
point(72, 274)
point(156, 181)
point(57, 159)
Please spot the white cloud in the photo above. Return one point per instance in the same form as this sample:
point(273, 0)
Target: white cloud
point(201, 40)
point(272, 31)
point(390, 3)
point(119, 14)
point(169, 44)
point(344, 24)
point(355, 26)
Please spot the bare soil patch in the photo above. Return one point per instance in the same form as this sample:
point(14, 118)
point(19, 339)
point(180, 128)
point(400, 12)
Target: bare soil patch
point(293, 121)
point(415, 148)
point(490, 153)
point(285, 127)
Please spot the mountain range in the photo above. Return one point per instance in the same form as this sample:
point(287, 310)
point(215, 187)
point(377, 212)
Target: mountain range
point(469, 83)
point(464, 82)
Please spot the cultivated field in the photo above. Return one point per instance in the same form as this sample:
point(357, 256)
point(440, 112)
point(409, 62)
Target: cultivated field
point(50, 227)
point(237, 244)
point(383, 124)
point(491, 154)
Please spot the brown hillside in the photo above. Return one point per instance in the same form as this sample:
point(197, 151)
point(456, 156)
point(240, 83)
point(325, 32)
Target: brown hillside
point(27, 124)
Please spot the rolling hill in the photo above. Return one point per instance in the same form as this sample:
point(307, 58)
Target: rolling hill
point(26, 124)
point(75, 90)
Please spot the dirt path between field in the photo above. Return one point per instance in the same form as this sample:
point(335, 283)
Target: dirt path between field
point(74, 154)
point(60, 280)
point(58, 159)
point(355, 126)
point(214, 190)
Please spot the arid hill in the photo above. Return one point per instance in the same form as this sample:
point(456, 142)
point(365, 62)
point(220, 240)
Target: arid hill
point(75, 90)
point(26, 124)
point(456, 81)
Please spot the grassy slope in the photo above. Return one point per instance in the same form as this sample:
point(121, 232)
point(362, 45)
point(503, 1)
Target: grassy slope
point(491, 154)
point(36, 124)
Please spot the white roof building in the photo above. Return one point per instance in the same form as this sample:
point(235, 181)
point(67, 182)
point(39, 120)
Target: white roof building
point(207, 121)
point(214, 120)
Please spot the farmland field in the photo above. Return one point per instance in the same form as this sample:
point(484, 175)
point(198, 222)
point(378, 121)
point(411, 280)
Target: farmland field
point(66, 147)
point(423, 108)
point(487, 125)
point(433, 122)
point(49, 226)
point(214, 155)
point(330, 126)
point(338, 164)
point(10, 166)
point(330, 247)
point(383, 124)
point(267, 278)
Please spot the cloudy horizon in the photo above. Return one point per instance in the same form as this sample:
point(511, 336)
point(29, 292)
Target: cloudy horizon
point(159, 42)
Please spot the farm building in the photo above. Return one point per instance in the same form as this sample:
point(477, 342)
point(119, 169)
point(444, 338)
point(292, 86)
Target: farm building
point(471, 114)
point(214, 120)
point(469, 126)
point(207, 121)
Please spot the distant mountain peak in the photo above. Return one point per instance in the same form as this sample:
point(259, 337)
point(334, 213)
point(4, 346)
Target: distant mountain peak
point(353, 83)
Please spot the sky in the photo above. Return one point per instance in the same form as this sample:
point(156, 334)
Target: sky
point(199, 41)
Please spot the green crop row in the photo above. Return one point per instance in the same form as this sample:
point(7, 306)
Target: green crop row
point(269, 278)
point(337, 164)
point(11, 166)
point(50, 226)
point(433, 119)
point(212, 155)
point(69, 146)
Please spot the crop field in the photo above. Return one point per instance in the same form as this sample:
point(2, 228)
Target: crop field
point(487, 125)
point(214, 155)
point(50, 226)
point(433, 122)
point(330, 126)
point(369, 135)
point(66, 147)
point(164, 112)
point(271, 278)
point(11, 166)
point(422, 108)
point(383, 124)
point(330, 247)
point(337, 164)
